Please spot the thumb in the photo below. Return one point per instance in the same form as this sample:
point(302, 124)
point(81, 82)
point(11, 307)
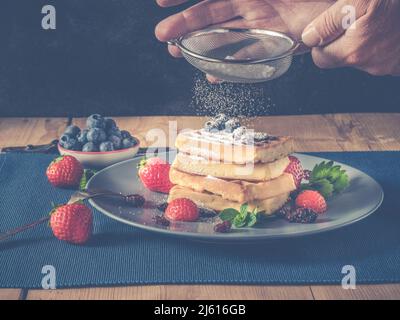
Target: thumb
point(330, 24)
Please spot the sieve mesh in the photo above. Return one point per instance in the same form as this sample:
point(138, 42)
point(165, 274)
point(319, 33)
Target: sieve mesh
point(238, 55)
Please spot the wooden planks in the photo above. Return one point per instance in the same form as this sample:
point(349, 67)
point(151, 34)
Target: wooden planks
point(10, 294)
point(23, 131)
point(179, 292)
point(362, 292)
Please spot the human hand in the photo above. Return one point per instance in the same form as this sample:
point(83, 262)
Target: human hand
point(371, 43)
point(289, 16)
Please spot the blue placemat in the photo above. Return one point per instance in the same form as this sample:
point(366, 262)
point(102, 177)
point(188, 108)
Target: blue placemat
point(122, 255)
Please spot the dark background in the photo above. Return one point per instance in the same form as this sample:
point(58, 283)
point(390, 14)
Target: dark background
point(104, 58)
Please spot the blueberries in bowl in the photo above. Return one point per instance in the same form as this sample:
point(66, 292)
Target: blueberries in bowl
point(102, 134)
point(96, 135)
point(90, 147)
point(96, 121)
point(106, 146)
point(72, 131)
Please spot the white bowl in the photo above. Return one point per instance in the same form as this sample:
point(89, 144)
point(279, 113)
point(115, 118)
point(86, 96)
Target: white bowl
point(101, 159)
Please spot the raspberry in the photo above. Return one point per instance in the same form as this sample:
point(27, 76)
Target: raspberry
point(223, 227)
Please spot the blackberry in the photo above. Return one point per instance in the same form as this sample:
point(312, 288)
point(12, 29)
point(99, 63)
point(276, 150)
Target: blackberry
point(232, 124)
point(285, 210)
point(301, 215)
point(136, 200)
point(162, 206)
point(207, 213)
point(223, 227)
point(161, 220)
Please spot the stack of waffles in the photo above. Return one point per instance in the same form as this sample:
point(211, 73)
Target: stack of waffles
point(227, 167)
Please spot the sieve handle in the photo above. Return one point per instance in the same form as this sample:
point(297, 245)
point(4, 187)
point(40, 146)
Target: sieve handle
point(300, 48)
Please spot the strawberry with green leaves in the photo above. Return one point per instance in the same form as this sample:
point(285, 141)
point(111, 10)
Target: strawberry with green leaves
point(154, 174)
point(327, 178)
point(65, 172)
point(72, 222)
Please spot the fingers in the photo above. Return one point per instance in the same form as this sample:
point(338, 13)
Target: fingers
point(201, 15)
point(332, 23)
point(170, 3)
point(174, 51)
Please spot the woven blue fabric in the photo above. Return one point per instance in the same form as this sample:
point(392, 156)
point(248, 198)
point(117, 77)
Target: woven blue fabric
point(122, 255)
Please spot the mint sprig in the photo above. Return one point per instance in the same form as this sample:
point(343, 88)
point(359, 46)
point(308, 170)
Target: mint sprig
point(328, 179)
point(242, 218)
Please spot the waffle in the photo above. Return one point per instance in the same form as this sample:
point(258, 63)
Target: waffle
point(234, 190)
point(250, 172)
point(221, 146)
point(215, 202)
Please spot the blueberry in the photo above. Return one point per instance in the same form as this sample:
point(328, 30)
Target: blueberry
point(96, 135)
point(222, 117)
point(95, 121)
point(232, 125)
point(128, 143)
point(90, 147)
point(211, 126)
point(114, 132)
point(82, 137)
point(64, 139)
point(72, 131)
point(110, 124)
point(125, 134)
point(116, 141)
point(239, 132)
point(72, 144)
point(106, 146)
point(247, 138)
point(261, 136)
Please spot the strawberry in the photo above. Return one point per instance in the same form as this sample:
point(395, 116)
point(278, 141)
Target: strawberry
point(72, 222)
point(64, 171)
point(312, 200)
point(182, 210)
point(296, 170)
point(154, 174)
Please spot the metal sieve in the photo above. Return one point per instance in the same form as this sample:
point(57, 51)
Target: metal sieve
point(238, 55)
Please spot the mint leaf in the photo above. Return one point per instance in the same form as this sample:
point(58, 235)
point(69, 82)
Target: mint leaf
point(240, 221)
point(244, 209)
point(252, 218)
point(228, 214)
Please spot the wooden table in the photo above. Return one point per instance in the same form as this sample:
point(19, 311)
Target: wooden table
point(339, 132)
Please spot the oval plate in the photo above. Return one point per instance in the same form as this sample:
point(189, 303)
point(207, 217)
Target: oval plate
point(362, 198)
